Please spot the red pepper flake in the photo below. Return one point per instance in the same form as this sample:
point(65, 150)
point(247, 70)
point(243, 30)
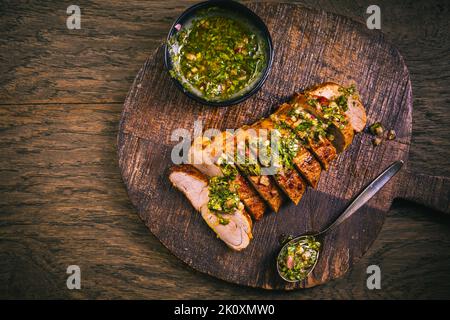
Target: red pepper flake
point(323, 101)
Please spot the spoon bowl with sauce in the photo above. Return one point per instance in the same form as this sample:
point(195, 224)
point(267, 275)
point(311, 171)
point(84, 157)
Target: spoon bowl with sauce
point(299, 256)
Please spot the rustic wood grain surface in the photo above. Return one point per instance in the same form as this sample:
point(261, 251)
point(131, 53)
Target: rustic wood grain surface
point(311, 47)
point(61, 196)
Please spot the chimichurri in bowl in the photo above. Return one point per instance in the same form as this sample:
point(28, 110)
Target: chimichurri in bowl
point(219, 52)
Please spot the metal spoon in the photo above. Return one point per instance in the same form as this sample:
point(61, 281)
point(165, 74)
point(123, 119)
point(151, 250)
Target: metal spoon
point(357, 203)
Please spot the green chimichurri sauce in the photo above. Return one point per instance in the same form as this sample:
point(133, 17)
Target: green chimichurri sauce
point(345, 93)
point(306, 125)
point(216, 57)
point(297, 258)
point(246, 160)
point(333, 110)
point(278, 150)
point(288, 147)
point(222, 195)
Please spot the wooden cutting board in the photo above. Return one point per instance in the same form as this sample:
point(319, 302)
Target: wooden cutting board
point(311, 47)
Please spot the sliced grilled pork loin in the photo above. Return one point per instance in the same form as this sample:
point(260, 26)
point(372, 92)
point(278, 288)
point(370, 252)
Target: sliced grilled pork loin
point(321, 147)
point(210, 150)
point(194, 185)
point(287, 178)
point(308, 166)
point(263, 184)
point(304, 161)
point(355, 112)
point(328, 111)
point(252, 201)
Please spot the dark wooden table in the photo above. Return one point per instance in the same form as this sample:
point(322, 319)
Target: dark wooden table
point(62, 201)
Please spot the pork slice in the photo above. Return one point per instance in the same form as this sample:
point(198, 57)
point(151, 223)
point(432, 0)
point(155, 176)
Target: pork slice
point(329, 90)
point(252, 201)
point(286, 178)
point(355, 112)
point(263, 184)
point(324, 151)
point(322, 148)
point(304, 161)
point(194, 185)
point(202, 158)
point(236, 233)
point(342, 131)
point(211, 151)
point(308, 166)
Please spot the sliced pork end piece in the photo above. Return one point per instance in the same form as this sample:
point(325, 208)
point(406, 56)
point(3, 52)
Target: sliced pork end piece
point(234, 229)
point(355, 112)
point(192, 183)
point(236, 233)
point(328, 111)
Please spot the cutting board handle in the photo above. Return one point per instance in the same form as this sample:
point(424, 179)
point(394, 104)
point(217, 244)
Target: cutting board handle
point(431, 191)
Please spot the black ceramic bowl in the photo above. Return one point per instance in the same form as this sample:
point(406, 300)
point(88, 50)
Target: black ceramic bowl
point(241, 13)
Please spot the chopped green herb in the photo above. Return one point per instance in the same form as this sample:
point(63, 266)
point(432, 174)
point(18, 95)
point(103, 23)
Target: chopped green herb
point(251, 169)
point(229, 171)
point(222, 220)
point(287, 148)
point(307, 126)
point(348, 91)
point(222, 195)
point(342, 100)
point(245, 157)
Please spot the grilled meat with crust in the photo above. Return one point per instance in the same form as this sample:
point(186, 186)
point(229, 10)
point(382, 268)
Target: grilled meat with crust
point(211, 151)
point(309, 129)
point(251, 169)
point(286, 177)
point(228, 174)
point(329, 112)
point(355, 112)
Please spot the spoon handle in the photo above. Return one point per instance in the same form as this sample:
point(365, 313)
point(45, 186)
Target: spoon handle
point(367, 193)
